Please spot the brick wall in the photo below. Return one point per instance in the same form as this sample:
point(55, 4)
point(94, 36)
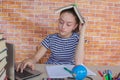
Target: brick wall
point(26, 22)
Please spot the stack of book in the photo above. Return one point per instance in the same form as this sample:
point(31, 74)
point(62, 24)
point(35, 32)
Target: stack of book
point(3, 56)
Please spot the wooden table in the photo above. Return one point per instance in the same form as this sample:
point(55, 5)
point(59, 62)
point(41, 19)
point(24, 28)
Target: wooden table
point(114, 69)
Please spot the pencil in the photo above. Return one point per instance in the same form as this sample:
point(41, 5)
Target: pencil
point(69, 72)
point(99, 72)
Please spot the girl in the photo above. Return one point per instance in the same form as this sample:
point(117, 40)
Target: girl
point(67, 46)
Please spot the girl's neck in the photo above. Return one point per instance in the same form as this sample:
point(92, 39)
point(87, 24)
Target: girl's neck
point(66, 36)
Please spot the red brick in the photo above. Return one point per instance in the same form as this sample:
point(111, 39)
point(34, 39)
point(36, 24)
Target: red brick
point(8, 2)
point(7, 10)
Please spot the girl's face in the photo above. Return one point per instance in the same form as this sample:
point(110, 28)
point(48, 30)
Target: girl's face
point(66, 25)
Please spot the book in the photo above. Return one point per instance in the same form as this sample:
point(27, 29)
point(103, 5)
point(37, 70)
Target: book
point(1, 35)
point(3, 54)
point(58, 71)
point(2, 45)
point(3, 63)
point(3, 75)
point(74, 6)
point(1, 71)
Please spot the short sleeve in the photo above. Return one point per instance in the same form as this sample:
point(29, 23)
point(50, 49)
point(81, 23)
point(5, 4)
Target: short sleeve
point(46, 42)
point(76, 37)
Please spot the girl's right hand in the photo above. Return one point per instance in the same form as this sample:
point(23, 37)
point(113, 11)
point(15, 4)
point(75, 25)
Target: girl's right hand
point(82, 27)
point(25, 63)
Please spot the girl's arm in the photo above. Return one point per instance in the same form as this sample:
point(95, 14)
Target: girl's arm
point(79, 53)
point(40, 53)
point(31, 61)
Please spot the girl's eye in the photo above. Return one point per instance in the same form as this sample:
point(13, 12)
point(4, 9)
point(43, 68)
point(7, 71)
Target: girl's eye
point(68, 24)
point(60, 22)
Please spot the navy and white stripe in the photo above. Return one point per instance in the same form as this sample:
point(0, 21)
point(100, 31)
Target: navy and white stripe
point(62, 50)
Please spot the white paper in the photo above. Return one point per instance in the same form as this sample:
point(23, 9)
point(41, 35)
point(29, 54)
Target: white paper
point(57, 71)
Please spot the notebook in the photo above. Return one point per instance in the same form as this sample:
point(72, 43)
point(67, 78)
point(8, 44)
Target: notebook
point(11, 72)
point(60, 72)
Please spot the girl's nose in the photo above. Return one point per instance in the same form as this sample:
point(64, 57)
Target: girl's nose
point(63, 26)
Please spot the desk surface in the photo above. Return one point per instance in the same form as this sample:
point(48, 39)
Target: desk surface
point(114, 69)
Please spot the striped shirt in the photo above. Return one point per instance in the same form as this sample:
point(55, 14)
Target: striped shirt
point(62, 49)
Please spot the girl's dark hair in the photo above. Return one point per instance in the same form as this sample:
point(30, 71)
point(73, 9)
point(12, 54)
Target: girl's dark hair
point(71, 10)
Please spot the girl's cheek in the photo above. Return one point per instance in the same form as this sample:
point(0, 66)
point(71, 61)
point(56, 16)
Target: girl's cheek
point(59, 27)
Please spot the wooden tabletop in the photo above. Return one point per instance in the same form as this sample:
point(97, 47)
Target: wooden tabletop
point(114, 69)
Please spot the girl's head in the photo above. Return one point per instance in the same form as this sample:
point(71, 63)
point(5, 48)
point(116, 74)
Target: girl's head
point(68, 22)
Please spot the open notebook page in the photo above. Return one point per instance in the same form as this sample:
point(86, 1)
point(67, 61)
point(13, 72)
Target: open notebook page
point(57, 71)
